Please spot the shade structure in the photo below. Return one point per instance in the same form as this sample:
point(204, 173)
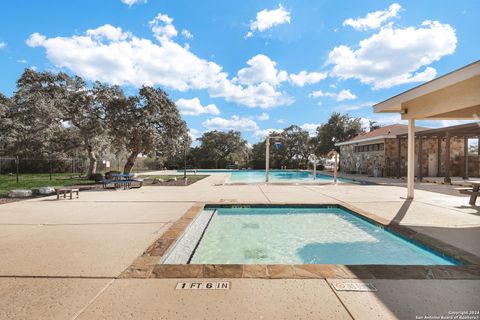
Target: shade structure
point(464, 131)
point(454, 96)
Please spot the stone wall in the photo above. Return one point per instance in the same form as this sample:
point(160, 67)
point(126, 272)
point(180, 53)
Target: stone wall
point(369, 162)
point(385, 162)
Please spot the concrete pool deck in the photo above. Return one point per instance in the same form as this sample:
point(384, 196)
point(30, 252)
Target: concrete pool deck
point(62, 259)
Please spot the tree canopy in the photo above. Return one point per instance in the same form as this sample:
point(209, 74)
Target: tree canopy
point(220, 148)
point(338, 128)
point(147, 124)
point(373, 125)
point(56, 115)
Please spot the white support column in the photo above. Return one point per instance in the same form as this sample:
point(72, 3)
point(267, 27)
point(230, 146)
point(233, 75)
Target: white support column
point(411, 159)
point(335, 169)
point(267, 158)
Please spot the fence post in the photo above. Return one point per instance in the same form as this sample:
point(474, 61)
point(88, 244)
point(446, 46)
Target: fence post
point(50, 165)
point(17, 160)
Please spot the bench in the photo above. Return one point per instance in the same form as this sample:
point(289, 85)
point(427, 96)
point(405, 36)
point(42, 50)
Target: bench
point(473, 192)
point(66, 191)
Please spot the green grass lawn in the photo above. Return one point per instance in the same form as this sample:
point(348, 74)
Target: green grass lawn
point(30, 181)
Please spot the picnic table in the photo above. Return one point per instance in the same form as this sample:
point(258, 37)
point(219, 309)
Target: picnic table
point(473, 191)
point(122, 180)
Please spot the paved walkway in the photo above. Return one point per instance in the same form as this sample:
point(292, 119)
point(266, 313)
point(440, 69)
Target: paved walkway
point(60, 259)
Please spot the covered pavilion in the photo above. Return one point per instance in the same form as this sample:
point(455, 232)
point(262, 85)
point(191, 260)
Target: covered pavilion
point(463, 131)
point(454, 96)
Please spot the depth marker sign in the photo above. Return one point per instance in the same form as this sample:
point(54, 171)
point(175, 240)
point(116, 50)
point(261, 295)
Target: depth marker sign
point(353, 286)
point(219, 285)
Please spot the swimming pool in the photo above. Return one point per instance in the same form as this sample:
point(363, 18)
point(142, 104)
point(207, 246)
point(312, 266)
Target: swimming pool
point(280, 176)
point(275, 176)
point(294, 235)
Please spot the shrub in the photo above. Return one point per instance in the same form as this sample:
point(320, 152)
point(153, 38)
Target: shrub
point(97, 177)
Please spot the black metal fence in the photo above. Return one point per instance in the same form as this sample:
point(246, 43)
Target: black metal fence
point(74, 166)
point(28, 165)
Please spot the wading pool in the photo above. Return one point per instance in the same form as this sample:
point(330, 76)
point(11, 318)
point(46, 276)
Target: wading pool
point(294, 235)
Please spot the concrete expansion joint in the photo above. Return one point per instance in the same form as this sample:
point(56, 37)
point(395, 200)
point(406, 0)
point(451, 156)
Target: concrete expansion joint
point(264, 194)
point(340, 300)
point(89, 303)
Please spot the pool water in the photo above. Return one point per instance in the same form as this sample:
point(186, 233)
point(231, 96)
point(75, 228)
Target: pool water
point(288, 176)
point(277, 176)
point(303, 236)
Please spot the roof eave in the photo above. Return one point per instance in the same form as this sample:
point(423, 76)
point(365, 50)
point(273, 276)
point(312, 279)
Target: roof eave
point(394, 104)
point(364, 140)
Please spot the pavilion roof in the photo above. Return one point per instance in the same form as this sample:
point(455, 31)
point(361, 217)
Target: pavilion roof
point(470, 130)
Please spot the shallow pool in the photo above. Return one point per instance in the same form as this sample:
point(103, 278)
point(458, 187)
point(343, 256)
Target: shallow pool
point(293, 235)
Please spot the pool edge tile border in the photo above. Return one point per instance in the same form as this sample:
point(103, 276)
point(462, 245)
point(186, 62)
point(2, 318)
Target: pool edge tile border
point(147, 265)
point(143, 266)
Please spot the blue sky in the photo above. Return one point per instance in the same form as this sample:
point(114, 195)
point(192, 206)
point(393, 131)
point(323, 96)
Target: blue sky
point(247, 65)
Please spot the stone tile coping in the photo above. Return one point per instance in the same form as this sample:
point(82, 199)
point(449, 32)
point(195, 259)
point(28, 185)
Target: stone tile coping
point(314, 271)
point(148, 264)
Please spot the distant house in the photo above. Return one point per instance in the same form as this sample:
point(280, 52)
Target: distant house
point(383, 152)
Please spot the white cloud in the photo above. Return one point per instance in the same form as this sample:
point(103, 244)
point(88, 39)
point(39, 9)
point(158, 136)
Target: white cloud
point(234, 123)
point(263, 117)
point(261, 69)
point(163, 28)
point(132, 2)
point(311, 128)
point(357, 106)
point(263, 95)
point(261, 134)
point(395, 56)
point(254, 86)
point(303, 78)
point(375, 19)
point(22, 61)
point(267, 19)
point(129, 61)
point(193, 107)
point(187, 34)
point(365, 123)
point(345, 95)
point(2, 44)
point(444, 123)
point(108, 32)
point(111, 55)
point(340, 96)
point(36, 39)
point(280, 121)
point(194, 133)
point(382, 120)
